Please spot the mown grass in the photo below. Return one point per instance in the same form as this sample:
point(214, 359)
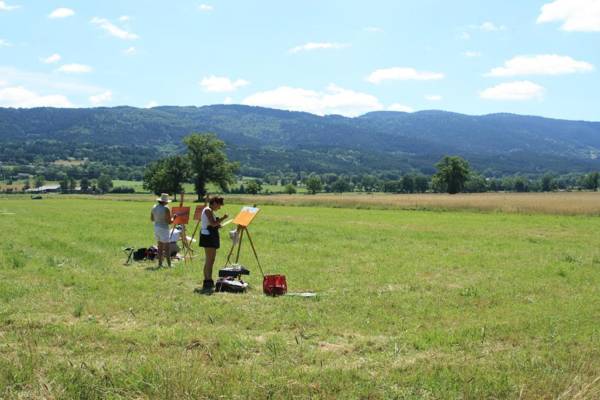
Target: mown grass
point(410, 304)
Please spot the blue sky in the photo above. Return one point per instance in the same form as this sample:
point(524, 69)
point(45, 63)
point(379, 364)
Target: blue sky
point(321, 56)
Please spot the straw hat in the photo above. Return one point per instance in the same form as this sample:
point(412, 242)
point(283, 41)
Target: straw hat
point(164, 198)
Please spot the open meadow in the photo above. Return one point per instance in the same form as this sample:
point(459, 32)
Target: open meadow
point(417, 304)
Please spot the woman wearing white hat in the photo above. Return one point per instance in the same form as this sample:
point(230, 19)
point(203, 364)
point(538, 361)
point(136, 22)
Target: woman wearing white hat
point(161, 216)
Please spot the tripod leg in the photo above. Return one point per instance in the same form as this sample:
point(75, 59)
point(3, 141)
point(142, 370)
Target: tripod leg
point(255, 255)
point(237, 257)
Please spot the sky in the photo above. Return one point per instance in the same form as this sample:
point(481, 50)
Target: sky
point(534, 57)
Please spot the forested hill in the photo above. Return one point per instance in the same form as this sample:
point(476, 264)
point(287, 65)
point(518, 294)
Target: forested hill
point(265, 139)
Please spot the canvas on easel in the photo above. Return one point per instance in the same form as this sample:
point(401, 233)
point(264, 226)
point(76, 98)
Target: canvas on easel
point(245, 216)
point(242, 220)
point(182, 217)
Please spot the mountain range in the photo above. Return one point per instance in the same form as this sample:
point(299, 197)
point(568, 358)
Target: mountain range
point(265, 140)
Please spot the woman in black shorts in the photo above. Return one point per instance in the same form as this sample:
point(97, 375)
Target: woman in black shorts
point(209, 239)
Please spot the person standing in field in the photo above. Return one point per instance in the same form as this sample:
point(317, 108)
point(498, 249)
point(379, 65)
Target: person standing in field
point(209, 239)
point(161, 216)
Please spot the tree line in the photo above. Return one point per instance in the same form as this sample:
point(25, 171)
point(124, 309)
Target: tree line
point(204, 161)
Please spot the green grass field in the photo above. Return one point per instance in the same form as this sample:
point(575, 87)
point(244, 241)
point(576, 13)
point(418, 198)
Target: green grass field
point(410, 304)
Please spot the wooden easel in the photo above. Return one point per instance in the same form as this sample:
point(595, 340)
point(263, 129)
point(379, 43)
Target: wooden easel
point(198, 219)
point(242, 220)
point(188, 252)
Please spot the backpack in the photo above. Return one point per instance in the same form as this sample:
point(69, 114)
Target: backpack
point(140, 254)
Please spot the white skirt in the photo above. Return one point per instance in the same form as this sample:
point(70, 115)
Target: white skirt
point(162, 234)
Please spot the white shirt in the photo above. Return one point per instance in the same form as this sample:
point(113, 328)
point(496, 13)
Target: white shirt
point(205, 222)
point(175, 235)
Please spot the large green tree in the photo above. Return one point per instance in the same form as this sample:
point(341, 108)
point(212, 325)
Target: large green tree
point(208, 162)
point(167, 175)
point(453, 172)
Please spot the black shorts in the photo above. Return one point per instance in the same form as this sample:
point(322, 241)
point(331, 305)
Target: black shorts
point(211, 240)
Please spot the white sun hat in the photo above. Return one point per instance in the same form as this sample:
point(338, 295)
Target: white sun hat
point(164, 198)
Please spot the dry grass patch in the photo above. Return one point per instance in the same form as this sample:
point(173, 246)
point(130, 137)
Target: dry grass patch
point(563, 203)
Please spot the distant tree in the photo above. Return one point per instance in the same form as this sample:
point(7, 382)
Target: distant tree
point(289, 189)
point(39, 180)
point(104, 183)
point(520, 184)
point(548, 183)
point(592, 181)
point(253, 187)
point(314, 184)
point(329, 178)
point(85, 184)
point(209, 162)
point(369, 183)
point(392, 186)
point(476, 184)
point(408, 184)
point(72, 184)
point(341, 185)
point(421, 183)
point(453, 172)
point(64, 184)
point(495, 185)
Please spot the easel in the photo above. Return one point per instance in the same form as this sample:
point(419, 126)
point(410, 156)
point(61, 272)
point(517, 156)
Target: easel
point(183, 220)
point(242, 220)
point(198, 219)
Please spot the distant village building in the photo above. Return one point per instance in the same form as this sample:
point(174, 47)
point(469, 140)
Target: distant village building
point(44, 189)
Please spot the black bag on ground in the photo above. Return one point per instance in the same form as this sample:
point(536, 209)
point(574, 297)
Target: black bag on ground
point(151, 253)
point(140, 254)
point(230, 285)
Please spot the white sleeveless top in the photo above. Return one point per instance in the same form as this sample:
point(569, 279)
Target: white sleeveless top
point(205, 222)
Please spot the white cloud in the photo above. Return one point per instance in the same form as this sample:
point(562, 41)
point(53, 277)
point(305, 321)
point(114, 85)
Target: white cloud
point(317, 46)
point(433, 97)
point(6, 7)
point(75, 68)
point(130, 51)
point(518, 91)
point(228, 100)
point(5, 43)
point(464, 35)
point(124, 18)
point(47, 82)
point(400, 107)
point(101, 98)
point(113, 30)
point(543, 64)
point(3, 83)
point(373, 29)
point(61, 13)
point(151, 104)
point(220, 84)
point(20, 97)
point(402, 74)
point(576, 15)
point(54, 58)
point(205, 7)
point(334, 100)
point(490, 27)
point(471, 54)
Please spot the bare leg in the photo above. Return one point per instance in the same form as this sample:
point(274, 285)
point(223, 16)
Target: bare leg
point(160, 254)
point(209, 261)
